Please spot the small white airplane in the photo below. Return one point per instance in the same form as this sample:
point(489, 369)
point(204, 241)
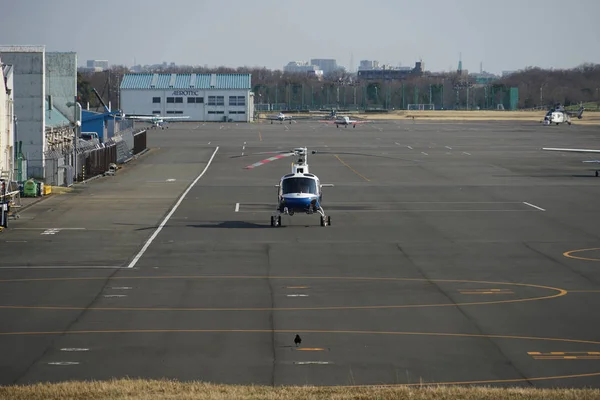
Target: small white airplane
point(156, 120)
point(299, 191)
point(281, 117)
point(558, 115)
point(344, 121)
point(578, 151)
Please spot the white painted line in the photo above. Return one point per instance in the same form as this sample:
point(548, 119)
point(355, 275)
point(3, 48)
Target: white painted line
point(297, 295)
point(311, 362)
point(425, 154)
point(164, 222)
point(208, 142)
point(45, 229)
point(409, 147)
point(398, 143)
point(115, 295)
point(171, 180)
point(63, 363)
point(449, 148)
point(121, 288)
point(468, 154)
point(237, 207)
point(74, 349)
point(534, 206)
point(63, 267)
point(51, 231)
point(15, 241)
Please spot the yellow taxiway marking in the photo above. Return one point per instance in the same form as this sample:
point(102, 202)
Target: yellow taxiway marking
point(560, 292)
point(569, 254)
point(310, 349)
point(462, 292)
point(352, 169)
point(486, 291)
point(565, 355)
point(391, 333)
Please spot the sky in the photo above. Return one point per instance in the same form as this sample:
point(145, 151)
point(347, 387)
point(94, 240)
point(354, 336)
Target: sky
point(503, 35)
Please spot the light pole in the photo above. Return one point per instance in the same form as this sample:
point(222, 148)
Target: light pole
point(76, 131)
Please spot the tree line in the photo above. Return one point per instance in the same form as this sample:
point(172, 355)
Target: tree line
point(537, 88)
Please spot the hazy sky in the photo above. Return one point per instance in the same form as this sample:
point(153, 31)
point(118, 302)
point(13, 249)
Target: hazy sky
point(502, 34)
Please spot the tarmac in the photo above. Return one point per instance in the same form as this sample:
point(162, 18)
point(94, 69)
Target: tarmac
point(459, 253)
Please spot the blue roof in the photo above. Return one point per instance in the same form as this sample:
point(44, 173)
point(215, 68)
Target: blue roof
point(186, 81)
point(54, 118)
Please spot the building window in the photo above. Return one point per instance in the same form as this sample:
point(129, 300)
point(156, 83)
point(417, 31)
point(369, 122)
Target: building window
point(170, 99)
point(241, 101)
point(199, 100)
point(233, 100)
point(191, 100)
point(178, 99)
point(155, 112)
point(212, 100)
point(156, 100)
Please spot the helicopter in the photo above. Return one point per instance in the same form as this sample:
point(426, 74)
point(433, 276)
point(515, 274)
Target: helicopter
point(558, 115)
point(300, 191)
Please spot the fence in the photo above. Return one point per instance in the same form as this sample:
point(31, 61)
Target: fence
point(93, 158)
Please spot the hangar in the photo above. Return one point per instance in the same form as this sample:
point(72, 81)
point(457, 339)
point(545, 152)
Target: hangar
point(204, 97)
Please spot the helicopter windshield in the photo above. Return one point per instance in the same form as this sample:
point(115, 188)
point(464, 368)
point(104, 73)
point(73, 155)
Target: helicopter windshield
point(298, 185)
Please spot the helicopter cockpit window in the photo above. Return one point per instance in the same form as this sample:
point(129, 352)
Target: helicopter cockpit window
point(299, 185)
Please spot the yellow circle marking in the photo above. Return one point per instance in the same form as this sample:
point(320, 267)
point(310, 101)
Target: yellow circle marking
point(569, 254)
point(286, 331)
point(560, 292)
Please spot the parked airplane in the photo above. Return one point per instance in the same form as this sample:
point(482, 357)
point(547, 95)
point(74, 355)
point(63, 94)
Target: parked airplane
point(156, 120)
point(558, 115)
point(299, 192)
point(345, 121)
point(281, 117)
point(578, 151)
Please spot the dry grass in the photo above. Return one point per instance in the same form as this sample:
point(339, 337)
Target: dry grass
point(131, 389)
point(532, 116)
point(590, 118)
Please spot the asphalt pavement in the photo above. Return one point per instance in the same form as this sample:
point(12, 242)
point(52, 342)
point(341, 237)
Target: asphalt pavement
point(457, 253)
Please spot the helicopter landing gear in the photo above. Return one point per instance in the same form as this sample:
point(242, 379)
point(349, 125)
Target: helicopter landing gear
point(275, 220)
point(325, 219)
point(596, 173)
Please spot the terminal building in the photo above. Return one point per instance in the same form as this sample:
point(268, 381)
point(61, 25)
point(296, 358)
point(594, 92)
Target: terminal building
point(202, 97)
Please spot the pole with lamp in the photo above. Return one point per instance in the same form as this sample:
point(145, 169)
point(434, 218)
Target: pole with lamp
point(76, 130)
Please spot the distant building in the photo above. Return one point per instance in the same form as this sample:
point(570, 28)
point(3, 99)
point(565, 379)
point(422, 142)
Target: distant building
point(94, 66)
point(302, 67)
point(327, 65)
point(102, 64)
point(204, 97)
point(387, 72)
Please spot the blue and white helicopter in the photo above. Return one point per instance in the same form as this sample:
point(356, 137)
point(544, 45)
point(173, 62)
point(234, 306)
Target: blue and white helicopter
point(300, 191)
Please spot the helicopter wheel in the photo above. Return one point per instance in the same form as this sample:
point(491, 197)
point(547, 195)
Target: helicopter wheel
point(279, 220)
point(596, 173)
point(322, 221)
point(328, 220)
point(272, 220)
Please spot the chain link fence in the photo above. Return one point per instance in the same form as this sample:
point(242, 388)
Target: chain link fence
point(93, 157)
